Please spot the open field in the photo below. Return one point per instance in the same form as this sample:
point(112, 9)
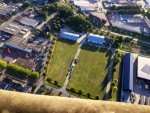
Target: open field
point(64, 53)
point(90, 73)
point(15, 102)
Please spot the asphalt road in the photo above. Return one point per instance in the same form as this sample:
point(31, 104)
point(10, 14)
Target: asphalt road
point(110, 74)
point(41, 26)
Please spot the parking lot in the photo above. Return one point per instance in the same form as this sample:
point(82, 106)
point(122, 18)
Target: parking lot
point(133, 23)
point(4, 37)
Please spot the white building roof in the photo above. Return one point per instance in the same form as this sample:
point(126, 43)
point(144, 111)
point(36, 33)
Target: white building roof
point(81, 3)
point(143, 67)
point(28, 21)
point(70, 36)
point(96, 38)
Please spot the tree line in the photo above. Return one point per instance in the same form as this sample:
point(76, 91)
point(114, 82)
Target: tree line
point(17, 70)
point(78, 22)
point(130, 10)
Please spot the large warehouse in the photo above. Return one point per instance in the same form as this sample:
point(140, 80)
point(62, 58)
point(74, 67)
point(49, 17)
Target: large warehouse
point(140, 71)
point(143, 67)
point(92, 38)
point(70, 36)
point(128, 72)
point(29, 22)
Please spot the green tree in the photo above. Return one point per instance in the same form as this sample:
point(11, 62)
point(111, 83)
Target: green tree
point(45, 15)
point(114, 89)
point(83, 23)
point(48, 28)
point(3, 64)
point(116, 81)
point(26, 4)
point(72, 90)
point(65, 12)
point(80, 92)
point(15, 69)
point(55, 82)
point(88, 95)
point(97, 98)
point(34, 75)
point(49, 80)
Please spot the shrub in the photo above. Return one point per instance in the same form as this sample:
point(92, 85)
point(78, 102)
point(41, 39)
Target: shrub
point(50, 52)
point(3, 64)
point(49, 80)
point(97, 98)
point(116, 81)
point(114, 69)
point(112, 84)
point(72, 90)
point(47, 62)
point(43, 90)
point(114, 89)
point(80, 92)
point(88, 95)
point(55, 82)
point(34, 75)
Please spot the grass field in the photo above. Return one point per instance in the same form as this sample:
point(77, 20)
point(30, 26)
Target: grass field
point(64, 53)
point(90, 73)
point(116, 76)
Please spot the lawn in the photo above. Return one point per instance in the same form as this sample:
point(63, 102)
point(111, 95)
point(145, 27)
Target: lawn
point(90, 73)
point(64, 53)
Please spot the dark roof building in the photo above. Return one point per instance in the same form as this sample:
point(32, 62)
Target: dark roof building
point(128, 72)
point(25, 63)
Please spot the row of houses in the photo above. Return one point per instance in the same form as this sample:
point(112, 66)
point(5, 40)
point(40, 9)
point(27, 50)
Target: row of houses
point(91, 38)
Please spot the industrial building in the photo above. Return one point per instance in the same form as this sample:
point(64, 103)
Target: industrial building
point(143, 67)
point(128, 72)
point(85, 5)
point(96, 39)
point(70, 36)
point(87, 9)
point(16, 29)
point(133, 23)
point(29, 22)
point(23, 45)
point(17, 43)
point(136, 79)
point(7, 9)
